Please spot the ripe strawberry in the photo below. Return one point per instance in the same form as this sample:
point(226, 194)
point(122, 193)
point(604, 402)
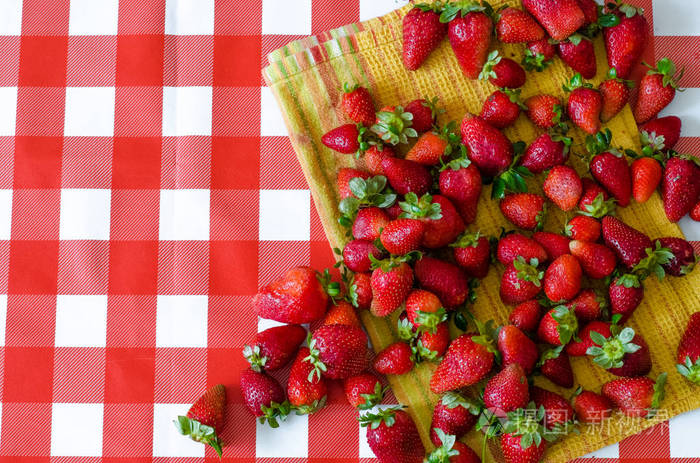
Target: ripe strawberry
point(544, 111)
point(695, 213)
point(338, 351)
point(357, 105)
point(454, 415)
point(516, 348)
point(546, 152)
point(451, 450)
point(434, 345)
point(646, 176)
point(364, 391)
point(526, 315)
point(590, 10)
point(656, 90)
point(205, 418)
point(628, 243)
point(502, 72)
point(626, 41)
point(683, 260)
point(680, 188)
point(517, 26)
point(615, 93)
point(407, 176)
point(359, 289)
point(264, 397)
point(343, 139)
point(343, 180)
point(507, 391)
point(578, 348)
point(422, 33)
point(428, 149)
point(341, 313)
point(472, 252)
point(469, 32)
point(668, 127)
point(489, 149)
point(392, 436)
point(557, 410)
point(297, 297)
point(274, 348)
point(622, 354)
point(391, 282)
point(395, 359)
point(556, 367)
point(424, 112)
point(446, 280)
point(374, 156)
point(584, 105)
point(424, 310)
point(515, 244)
point(460, 181)
point(306, 392)
point(558, 326)
point(625, 294)
point(521, 281)
point(588, 305)
point(636, 397)
point(465, 363)
point(402, 236)
point(590, 407)
point(443, 223)
point(596, 260)
point(688, 354)
point(368, 223)
point(502, 108)
point(524, 210)
point(609, 167)
point(356, 255)
point(561, 18)
point(521, 441)
point(591, 192)
point(556, 245)
point(563, 187)
point(538, 55)
point(562, 280)
point(583, 228)
point(578, 53)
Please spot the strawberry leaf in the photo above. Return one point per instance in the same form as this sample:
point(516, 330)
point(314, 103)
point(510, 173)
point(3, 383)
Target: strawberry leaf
point(198, 432)
point(690, 370)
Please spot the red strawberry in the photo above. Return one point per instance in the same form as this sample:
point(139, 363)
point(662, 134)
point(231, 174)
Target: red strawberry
point(460, 181)
point(343, 139)
point(695, 213)
point(579, 348)
point(656, 90)
point(297, 297)
point(544, 111)
point(392, 436)
point(274, 348)
point(522, 440)
point(558, 326)
point(557, 410)
point(591, 192)
point(465, 363)
point(513, 245)
point(688, 354)
point(507, 391)
point(368, 223)
point(524, 210)
point(391, 282)
point(578, 53)
point(451, 450)
point(591, 408)
point(583, 228)
point(422, 33)
point(359, 290)
point(407, 176)
point(374, 156)
point(341, 313)
point(343, 180)
point(668, 127)
point(395, 359)
point(556, 367)
point(622, 354)
point(356, 254)
point(446, 280)
point(625, 294)
point(516, 348)
point(264, 397)
point(521, 281)
point(615, 93)
point(306, 392)
point(424, 113)
point(562, 280)
point(588, 305)
point(636, 397)
point(628, 243)
point(469, 32)
point(502, 108)
point(555, 245)
point(205, 418)
point(364, 391)
point(338, 351)
point(472, 252)
point(596, 260)
point(646, 176)
point(489, 149)
point(561, 18)
point(443, 224)
point(590, 10)
point(526, 316)
point(357, 105)
point(424, 310)
point(517, 26)
point(538, 55)
point(502, 72)
point(584, 105)
point(454, 415)
point(683, 260)
point(428, 149)
point(435, 343)
point(680, 187)
point(609, 167)
point(563, 187)
point(626, 41)
point(546, 152)
point(402, 236)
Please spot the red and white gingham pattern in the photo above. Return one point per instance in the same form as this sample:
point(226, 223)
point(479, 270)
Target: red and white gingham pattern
point(147, 189)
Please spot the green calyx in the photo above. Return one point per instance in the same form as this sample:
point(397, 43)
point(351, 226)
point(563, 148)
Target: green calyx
point(567, 323)
point(313, 358)
point(666, 68)
point(432, 104)
point(488, 333)
point(467, 240)
point(612, 75)
point(373, 399)
point(351, 294)
point(599, 207)
point(629, 280)
point(690, 370)
point(529, 271)
point(653, 263)
point(534, 61)
point(198, 432)
point(252, 355)
point(405, 330)
point(308, 409)
point(449, 133)
point(526, 422)
point(599, 143)
point(513, 95)
point(436, 7)
point(487, 71)
point(394, 127)
point(348, 88)
point(624, 8)
point(513, 179)
point(374, 420)
point(443, 453)
point(274, 413)
point(392, 262)
point(429, 321)
point(453, 400)
point(610, 352)
point(659, 394)
point(366, 192)
point(576, 82)
point(653, 146)
point(415, 208)
point(419, 353)
point(452, 10)
point(550, 354)
point(459, 162)
point(332, 288)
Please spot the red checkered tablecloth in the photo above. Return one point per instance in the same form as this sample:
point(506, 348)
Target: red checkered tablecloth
point(147, 189)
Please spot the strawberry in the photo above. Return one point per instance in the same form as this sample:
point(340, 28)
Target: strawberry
point(502, 108)
point(469, 32)
point(524, 210)
point(683, 260)
point(393, 125)
point(590, 407)
point(451, 450)
point(344, 139)
point(515, 244)
point(516, 348)
point(364, 391)
point(205, 418)
point(590, 10)
point(359, 289)
point(522, 438)
point(454, 415)
point(563, 187)
point(521, 281)
point(297, 297)
point(443, 223)
point(517, 26)
point(688, 353)
point(368, 223)
point(395, 359)
point(446, 280)
point(489, 149)
point(402, 236)
point(557, 410)
point(424, 112)
point(306, 392)
point(460, 181)
point(502, 72)
point(472, 252)
point(609, 167)
point(422, 33)
point(626, 41)
point(578, 348)
point(274, 348)
point(625, 294)
point(668, 127)
point(538, 55)
point(561, 18)
point(428, 149)
point(424, 310)
point(622, 354)
point(343, 180)
point(680, 188)
point(584, 105)
point(646, 176)
point(588, 305)
point(407, 176)
point(596, 260)
point(558, 326)
point(556, 367)
point(356, 254)
point(374, 156)
point(507, 391)
point(341, 313)
point(434, 345)
point(578, 53)
point(465, 363)
point(628, 243)
point(264, 397)
point(583, 228)
point(562, 280)
point(546, 152)
point(656, 90)
point(636, 397)
point(554, 244)
point(591, 192)
point(695, 213)
point(338, 351)
point(615, 93)
point(526, 315)
point(544, 111)
point(357, 105)
point(392, 436)
point(391, 282)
